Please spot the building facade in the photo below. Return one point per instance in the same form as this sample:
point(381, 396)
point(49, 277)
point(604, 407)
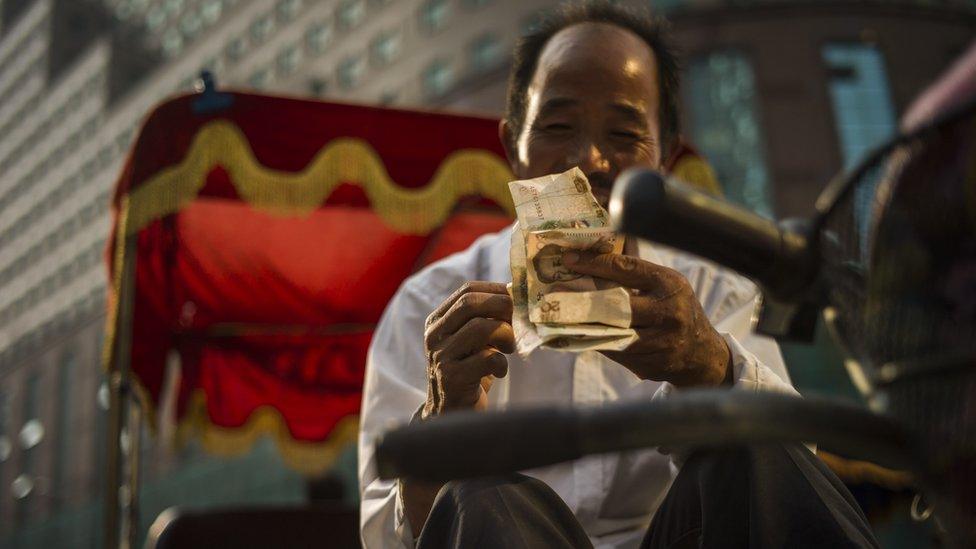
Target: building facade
point(779, 96)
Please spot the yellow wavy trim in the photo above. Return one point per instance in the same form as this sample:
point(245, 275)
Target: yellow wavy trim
point(308, 458)
point(410, 211)
point(698, 173)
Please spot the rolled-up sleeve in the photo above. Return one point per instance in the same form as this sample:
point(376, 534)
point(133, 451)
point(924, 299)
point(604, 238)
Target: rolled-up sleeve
point(393, 390)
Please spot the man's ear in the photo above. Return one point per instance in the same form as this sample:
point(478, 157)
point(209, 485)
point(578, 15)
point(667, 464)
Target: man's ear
point(508, 143)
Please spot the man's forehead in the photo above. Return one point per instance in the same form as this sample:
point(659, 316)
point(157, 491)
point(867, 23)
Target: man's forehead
point(599, 57)
point(601, 44)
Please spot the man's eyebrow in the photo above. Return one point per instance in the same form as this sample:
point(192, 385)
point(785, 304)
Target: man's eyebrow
point(631, 112)
point(555, 104)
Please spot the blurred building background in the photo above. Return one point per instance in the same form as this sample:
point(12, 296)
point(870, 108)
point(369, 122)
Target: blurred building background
point(779, 95)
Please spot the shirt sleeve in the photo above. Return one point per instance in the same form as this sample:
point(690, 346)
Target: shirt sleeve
point(393, 390)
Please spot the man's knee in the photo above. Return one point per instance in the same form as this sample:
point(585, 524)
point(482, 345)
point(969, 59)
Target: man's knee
point(751, 459)
point(482, 491)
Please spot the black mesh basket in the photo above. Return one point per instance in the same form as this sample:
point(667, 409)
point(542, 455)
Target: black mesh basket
point(897, 243)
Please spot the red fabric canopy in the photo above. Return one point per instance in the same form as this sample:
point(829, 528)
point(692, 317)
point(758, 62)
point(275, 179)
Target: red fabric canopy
point(270, 235)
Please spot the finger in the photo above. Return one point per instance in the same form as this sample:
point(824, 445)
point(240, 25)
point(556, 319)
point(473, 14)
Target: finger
point(467, 307)
point(625, 270)
point(477, 286)
point(654, 312)
point(474, 336)
point(471, 370)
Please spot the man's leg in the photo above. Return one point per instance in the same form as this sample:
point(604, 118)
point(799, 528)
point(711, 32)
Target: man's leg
point(512, 511)
point(759, 496)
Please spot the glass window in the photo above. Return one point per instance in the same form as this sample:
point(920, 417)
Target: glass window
point(105, 155)
point(211, 10)
point(351, 13)
point(155, 18)
point(485, 52)
point(351, 70)
point(288, 9)
point(173, 6)
point(438, 77)
point(863, 113)
point(259, 79)
point(261, 28)
point(385, 48)
point(190, 24)
point(172, 42)
point(724, 126)
point(388, 97)
point(288, 60)
point(123, 140)
point(317, 87)
point(236, 49)
point(434, 14)
point(858, 85)
point(317, 37)
point(123, 11)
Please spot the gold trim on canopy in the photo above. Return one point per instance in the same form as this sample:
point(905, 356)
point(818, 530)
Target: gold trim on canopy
point(697, 172)
point(415, 211)
point(309, 458)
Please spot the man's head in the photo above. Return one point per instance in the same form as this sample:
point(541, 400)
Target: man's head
point(593, 87)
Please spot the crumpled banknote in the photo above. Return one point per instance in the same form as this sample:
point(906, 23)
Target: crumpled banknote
point(554, 306)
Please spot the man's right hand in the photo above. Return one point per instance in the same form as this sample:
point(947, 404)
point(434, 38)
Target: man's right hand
point(465, 340)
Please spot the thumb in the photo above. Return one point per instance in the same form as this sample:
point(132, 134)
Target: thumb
point(486, 382)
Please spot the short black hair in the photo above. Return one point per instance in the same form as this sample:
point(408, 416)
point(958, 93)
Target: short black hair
point(653, 30)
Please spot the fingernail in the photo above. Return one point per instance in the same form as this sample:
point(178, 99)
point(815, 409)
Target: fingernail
point(570, 258)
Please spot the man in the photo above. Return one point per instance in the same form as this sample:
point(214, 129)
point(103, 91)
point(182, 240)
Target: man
point(595, 88)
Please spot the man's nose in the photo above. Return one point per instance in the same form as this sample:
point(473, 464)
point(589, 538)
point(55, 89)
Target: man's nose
point(591, 159)
point(594, 163)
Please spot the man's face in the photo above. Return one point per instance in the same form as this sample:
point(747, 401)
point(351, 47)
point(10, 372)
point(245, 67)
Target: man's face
point(592, 103)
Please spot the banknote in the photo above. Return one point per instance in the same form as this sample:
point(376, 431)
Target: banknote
point(557, 202)
point(547, 275)
point(526, 336)
point(554, 306)
point(585, 337)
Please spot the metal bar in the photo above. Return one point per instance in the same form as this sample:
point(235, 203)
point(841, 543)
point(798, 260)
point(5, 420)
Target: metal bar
point(118, 389)
point(134, 461)
point(113, 462)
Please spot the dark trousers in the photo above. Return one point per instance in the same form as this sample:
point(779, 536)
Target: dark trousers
point(760, 496)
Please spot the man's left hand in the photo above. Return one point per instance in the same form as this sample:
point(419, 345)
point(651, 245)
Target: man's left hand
point(676, 342)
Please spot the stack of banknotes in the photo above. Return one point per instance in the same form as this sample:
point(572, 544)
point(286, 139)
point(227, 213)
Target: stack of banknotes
point(554, 306)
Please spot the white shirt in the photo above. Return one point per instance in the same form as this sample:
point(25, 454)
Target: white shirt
point(613, 496)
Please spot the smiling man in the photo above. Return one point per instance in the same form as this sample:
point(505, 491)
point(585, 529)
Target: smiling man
point(594, 87)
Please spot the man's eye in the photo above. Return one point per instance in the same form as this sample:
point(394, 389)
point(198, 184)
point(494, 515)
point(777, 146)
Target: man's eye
point(557, 127)
point(632, 136)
